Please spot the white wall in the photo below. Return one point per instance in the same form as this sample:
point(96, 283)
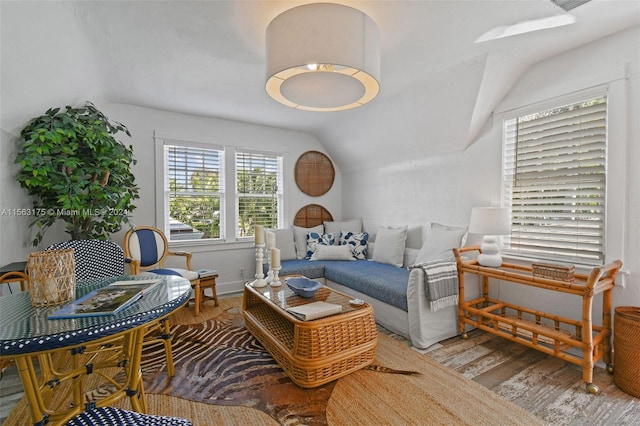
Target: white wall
point(443, 189)
point(142, 123)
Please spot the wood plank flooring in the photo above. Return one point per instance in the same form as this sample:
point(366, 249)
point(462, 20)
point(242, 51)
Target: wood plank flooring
point(549, 388)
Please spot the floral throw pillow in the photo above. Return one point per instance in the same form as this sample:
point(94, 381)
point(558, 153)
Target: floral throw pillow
point(357, 241)
point(315, 238)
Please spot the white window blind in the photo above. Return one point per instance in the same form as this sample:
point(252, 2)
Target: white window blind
point(555, 177)
point(259, 191)
point(194, 192)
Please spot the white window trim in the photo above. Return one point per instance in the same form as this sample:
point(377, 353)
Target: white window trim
point(616, 185)
point(162, 138)
point(234, 176)
point(615, 82)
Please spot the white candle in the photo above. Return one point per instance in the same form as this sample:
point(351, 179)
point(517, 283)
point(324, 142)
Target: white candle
point(271, 240)
point(275, 258)
point(259, 234)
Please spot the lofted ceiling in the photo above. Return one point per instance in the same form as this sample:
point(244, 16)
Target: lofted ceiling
point(206, 58)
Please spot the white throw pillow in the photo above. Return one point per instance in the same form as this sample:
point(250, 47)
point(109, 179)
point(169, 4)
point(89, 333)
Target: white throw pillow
point(389, 246)
point(285, 242)
point(300, 236)
point(354, 226)
point(332, 253)
point(439, 243)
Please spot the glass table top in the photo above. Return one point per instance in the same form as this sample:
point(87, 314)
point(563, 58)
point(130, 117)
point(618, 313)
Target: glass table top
point(26, 328)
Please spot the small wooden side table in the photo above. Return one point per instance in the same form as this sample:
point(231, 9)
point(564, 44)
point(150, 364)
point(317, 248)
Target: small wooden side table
point(208, 281)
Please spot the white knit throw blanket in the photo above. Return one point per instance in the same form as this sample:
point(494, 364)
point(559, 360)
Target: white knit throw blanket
point(441, 277)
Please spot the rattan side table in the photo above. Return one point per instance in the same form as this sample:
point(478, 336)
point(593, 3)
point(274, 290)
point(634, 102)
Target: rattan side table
point(208, 281)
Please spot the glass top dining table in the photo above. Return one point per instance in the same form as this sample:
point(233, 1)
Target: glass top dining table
point(27, 329)
point(28, 335)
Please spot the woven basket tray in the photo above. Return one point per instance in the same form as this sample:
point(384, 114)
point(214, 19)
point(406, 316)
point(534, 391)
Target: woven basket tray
point(554, 272)
point(52, 277)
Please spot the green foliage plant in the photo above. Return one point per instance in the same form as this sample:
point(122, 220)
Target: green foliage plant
point(77, 172)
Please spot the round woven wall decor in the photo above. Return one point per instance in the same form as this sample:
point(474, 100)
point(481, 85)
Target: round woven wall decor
point(312, 215)
point(314, 173)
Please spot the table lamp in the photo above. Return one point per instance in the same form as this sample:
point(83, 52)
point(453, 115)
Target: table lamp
point(490, 221)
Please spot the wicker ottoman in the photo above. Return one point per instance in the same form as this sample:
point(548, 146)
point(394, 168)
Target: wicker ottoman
point(314, 352)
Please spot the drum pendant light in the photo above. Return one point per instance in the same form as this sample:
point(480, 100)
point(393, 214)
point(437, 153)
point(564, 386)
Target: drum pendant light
point(323, 57)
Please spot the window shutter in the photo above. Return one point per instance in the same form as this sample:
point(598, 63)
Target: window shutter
point(194, 189)
point(259, 191)
point(555, 176)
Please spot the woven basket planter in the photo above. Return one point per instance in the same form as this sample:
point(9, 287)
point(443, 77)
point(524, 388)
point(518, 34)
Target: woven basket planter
point(626, 349)
point(52, 277)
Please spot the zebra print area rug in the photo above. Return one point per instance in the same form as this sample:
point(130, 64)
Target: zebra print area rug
point(220, 362)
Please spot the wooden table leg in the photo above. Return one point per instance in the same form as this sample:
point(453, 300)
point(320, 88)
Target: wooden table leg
point(198, 296)
point(210, 282)
point(607, 297)
point(136, 389)
point(32, 393)
point(461, 301)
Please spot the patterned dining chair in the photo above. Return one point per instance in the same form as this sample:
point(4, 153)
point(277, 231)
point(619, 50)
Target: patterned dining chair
point(150, 247)
point(111, 416)
point(101, 259)
point(8, 278)
point(95, 258)
point(15, 277)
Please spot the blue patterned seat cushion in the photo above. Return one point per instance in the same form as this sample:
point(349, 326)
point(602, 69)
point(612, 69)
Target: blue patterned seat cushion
point(110, 416)
point(386, 283)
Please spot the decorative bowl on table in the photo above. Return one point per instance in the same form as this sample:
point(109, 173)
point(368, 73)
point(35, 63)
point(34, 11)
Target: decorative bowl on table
point(303, 287)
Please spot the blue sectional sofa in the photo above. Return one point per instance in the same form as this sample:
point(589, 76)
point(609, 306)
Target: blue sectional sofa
point(383, 282)
point(397, 293)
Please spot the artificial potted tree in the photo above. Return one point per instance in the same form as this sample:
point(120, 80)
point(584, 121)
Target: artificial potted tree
point(78, 172)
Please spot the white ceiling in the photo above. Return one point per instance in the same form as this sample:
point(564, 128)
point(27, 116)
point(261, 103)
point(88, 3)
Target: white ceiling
point(207, 58)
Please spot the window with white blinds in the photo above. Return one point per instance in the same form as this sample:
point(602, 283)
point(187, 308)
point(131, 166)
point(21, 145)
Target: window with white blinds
point(555, 182)
point(258, 191)
point(194, 191)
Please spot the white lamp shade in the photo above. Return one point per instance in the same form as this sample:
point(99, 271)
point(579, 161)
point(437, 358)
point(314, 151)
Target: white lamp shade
point(323, 57)
point(490, 221)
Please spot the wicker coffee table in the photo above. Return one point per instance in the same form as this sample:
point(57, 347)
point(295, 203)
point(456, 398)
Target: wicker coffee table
point(314, 352)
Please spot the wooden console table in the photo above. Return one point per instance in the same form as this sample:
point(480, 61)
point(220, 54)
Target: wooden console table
point(551, 334)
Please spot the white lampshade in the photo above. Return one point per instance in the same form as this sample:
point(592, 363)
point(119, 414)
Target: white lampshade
point(323, 57)
point(490, 221)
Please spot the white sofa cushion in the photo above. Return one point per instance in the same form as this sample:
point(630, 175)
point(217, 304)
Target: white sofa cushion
point(324, 252)
point(439, 243)
point(389, 245)
point(354, 225)
point(285, 242)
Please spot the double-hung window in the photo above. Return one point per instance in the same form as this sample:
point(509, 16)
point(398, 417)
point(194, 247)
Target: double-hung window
point(194, 192)
point(555, 182)
point(216, 192)
point(258, 191)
